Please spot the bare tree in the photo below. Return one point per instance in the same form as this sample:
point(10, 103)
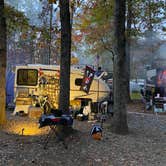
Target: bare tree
point(2, 63)
point(119, 123)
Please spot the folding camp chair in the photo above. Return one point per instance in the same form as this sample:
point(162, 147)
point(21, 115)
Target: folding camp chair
point(52, 121)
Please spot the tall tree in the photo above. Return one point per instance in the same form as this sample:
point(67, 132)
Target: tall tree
point(2, 63)
point(128, 48)
point(96, 27)
point(17, 32)
point(65, 56)
point(119, 123)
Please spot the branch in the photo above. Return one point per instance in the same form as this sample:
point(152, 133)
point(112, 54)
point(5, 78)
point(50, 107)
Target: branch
point(108, 49)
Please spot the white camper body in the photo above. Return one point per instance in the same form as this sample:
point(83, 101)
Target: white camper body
point(43, 80)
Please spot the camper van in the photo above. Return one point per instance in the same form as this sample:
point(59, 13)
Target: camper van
point(38, 85)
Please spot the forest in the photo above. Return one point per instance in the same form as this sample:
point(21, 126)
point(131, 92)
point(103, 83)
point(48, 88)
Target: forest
point(124, 38)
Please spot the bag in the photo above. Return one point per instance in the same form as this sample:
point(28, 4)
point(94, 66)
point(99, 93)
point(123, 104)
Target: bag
point(96, 132)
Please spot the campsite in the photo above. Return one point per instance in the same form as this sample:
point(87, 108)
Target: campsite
point(82, 83)
point(144, 145)
point(24, 143)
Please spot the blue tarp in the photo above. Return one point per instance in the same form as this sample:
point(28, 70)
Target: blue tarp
point(9, 87)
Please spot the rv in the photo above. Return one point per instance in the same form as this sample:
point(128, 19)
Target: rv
point(38, 85)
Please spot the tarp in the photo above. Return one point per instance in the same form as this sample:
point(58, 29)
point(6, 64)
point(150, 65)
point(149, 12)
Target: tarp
point(9, 87)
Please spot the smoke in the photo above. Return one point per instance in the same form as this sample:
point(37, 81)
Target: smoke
point(148, 51)
point(160, 58)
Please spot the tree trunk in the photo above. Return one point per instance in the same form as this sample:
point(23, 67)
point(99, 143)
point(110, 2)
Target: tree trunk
point(64, 96)
point(65, 56)
point(128, 46)
point(119, 122)
point(2, 64)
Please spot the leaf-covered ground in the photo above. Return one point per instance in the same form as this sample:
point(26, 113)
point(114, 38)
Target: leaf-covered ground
point(145, 145)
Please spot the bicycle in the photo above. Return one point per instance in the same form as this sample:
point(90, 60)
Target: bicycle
point(44, 103)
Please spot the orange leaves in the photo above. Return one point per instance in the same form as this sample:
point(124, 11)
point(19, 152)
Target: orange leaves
point(42, 45)
point(24, 36)
point(51, 1)
point(74, 60)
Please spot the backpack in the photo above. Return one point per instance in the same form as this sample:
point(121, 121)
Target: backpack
point(96, 132)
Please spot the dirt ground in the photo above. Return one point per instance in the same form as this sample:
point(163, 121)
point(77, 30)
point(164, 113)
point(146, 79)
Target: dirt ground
point(145, 145)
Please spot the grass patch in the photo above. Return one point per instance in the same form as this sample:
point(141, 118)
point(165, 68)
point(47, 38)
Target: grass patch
point(135, 96)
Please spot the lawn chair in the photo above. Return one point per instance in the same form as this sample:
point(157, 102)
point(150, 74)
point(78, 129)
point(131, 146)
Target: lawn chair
point(53, 121)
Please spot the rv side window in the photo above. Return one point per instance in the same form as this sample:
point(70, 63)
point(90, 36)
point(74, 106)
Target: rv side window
point(28, 77)
point(78, 81)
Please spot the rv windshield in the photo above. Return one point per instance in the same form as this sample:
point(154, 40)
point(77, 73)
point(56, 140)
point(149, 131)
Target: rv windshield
point(28, 77)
